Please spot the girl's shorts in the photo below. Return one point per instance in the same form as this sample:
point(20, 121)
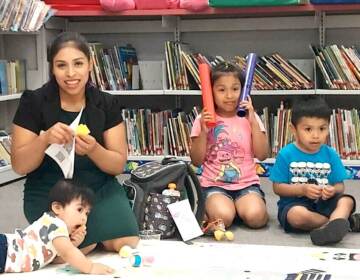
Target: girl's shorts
point(236, 194)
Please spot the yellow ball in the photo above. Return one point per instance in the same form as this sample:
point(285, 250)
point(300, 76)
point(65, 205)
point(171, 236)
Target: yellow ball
point(82, 129)
point(125, 251)
point(219, 234)
point(229, 235)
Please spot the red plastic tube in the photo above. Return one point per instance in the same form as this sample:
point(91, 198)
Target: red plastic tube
point(206, 92)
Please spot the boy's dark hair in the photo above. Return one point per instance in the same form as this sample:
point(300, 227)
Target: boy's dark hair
point(65, 39)
point(66, 190)
point(311, 107)
point(226, 67)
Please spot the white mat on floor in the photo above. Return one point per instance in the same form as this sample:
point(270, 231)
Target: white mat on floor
point(222, 260)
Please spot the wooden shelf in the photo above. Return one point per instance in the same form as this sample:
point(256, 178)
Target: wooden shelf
point(282, 92)
point(18, 32)
point(168, 92)
point(346, 162)
point(337, 92)
point(10, 97)
point(92, 10)
point(153, 158)
point(135, 92)
point(7, 174)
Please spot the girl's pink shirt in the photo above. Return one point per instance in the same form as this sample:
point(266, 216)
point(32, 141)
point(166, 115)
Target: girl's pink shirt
point(229, 161)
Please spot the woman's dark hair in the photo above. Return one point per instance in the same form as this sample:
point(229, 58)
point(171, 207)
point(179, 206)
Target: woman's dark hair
point(226, 68)
point(311, 107)
point(66, 39)
point(66, 190)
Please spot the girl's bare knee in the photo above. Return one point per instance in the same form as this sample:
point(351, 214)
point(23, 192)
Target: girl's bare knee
point(255, 219)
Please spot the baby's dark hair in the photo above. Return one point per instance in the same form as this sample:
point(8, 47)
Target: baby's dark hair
point(224, 68)
point(311, 107)
point(66, 190)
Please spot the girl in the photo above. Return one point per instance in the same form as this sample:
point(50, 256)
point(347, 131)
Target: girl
point(226, 152)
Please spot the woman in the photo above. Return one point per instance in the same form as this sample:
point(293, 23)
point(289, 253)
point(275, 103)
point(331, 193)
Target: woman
point(43, 118)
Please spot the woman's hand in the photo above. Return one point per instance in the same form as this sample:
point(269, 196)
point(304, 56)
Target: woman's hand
point(85, 144)
point(249, 108)
point(59, 133)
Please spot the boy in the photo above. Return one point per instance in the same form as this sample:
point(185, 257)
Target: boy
point(40, 243)
point(308, 176)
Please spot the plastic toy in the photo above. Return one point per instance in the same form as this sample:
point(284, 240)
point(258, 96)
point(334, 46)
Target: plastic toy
point(82, 129)
point(217, 228)
point(135, 260)
point(126, 251)
point(134, 257)
point(148, 260)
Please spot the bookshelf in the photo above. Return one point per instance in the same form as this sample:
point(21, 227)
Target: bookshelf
point(7, 175)
point(31, 47)
point(78, 10)
point(228, 32)
point(10, 97)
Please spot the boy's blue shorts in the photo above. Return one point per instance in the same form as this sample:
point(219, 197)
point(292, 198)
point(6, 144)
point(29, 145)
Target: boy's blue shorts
point(323, 207)
point(3, 252)
point(234, 195)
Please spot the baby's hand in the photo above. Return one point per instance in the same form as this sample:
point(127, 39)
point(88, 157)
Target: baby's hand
point(328, 192)
point(98, 268)
point(78, 236)
point(312, 191)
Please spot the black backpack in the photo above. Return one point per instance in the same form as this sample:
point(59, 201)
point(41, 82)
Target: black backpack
point(144, 190)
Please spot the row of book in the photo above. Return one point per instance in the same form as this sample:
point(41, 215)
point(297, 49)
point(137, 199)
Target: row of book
point(272, 72)
point(344, 131)
point(168, 132)
point(115, 68)
point(24, 15)
point(339, 66)
point(158, 132)
point(5, 144)
point(12, 76)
